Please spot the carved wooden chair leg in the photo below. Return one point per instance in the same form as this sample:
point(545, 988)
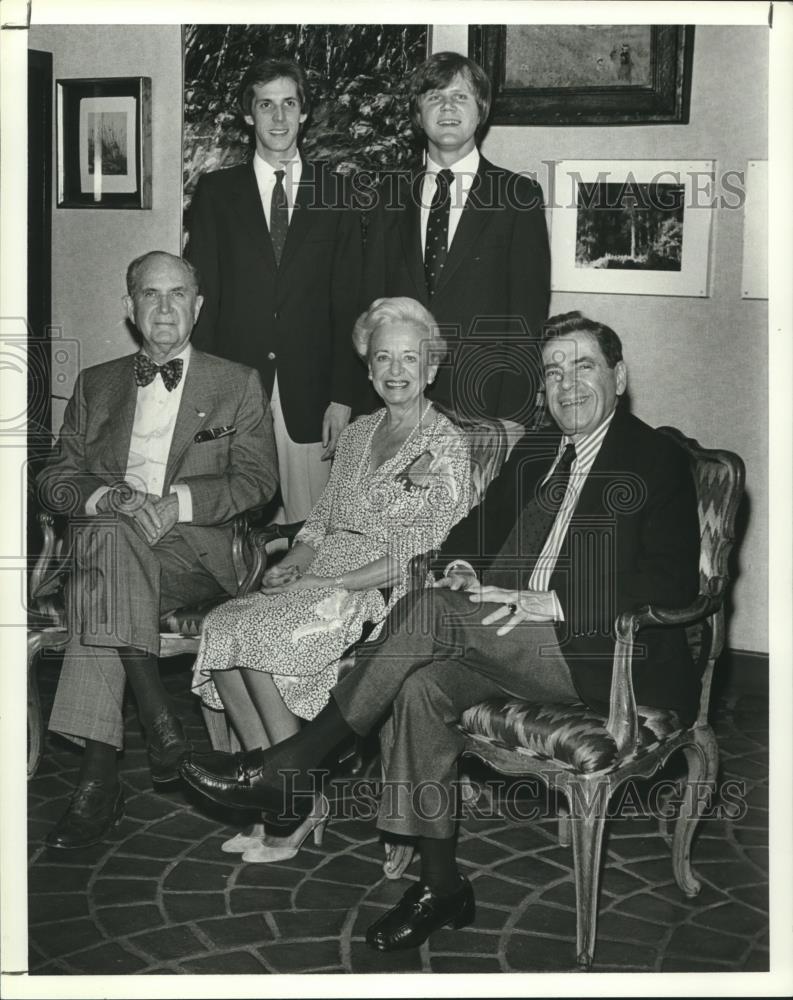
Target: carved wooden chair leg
point(666, 803)
point(35, 718)
point(563, 820)
point(702, 758)
point(588, 804)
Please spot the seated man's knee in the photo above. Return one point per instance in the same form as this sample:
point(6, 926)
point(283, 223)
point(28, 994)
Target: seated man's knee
point(421, 688)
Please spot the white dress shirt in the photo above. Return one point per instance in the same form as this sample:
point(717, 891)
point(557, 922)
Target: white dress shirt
point(265, 180)
point(464, 171)
point(156, 410)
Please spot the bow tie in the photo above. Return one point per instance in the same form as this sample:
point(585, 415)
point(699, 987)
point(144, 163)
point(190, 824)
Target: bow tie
point(146, 371)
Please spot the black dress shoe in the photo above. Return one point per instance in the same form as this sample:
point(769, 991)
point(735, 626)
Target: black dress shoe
point(418, 914)
point(236, 780)
point(166, 748)
point(92, 813)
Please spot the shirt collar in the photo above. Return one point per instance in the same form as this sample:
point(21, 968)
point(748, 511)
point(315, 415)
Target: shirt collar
point(469, 164)
point(591, 440)
point(266, 172)
point(184, 354)
point(464, 171)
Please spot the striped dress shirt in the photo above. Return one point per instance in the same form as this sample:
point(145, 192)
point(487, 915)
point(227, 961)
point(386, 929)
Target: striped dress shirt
point(586, 451)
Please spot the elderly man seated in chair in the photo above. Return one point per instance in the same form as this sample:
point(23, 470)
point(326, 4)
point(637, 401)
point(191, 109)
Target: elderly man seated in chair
point(578, 527)
point(158, 452)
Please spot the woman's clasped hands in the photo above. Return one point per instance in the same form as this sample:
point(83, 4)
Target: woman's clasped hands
point(278, 579)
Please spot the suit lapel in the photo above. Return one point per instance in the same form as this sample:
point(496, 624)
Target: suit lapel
point(309, 197)
point(476, 213)
point(119, 398)
point(410, 234)
point(198, 400)
point(609, 464)
point(248, 207)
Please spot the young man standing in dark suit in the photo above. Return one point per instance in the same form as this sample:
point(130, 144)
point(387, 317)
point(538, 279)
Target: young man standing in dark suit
point(279, 252)
point(468, 240)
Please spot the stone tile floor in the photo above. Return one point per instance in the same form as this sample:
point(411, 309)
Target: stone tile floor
point(160, 897)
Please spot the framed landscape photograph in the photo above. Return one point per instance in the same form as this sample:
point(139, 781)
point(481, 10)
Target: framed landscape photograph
point(633, 227)
point(586, 74)
point(104, 143)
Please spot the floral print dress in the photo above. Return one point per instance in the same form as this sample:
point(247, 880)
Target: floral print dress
point(404, 508)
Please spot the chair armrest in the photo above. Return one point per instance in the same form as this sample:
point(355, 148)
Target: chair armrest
point(269, 532)
point(623, 721)
point(258, 536)
point(701, 607)
point(52, 566)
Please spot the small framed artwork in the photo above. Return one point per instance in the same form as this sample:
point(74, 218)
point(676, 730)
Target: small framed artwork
point(632, 227)
point(586, 74)
point(104, 143)
point(754, 272)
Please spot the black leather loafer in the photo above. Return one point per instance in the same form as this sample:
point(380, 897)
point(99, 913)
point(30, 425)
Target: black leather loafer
point(166, 748)
point(418, 914)
point(94, 810)
point(236, 780)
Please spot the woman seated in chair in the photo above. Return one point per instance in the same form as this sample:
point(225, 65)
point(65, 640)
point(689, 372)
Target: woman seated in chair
point(401, 479)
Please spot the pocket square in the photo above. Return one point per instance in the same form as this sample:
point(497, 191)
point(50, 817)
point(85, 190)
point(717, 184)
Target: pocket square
point(213, 433)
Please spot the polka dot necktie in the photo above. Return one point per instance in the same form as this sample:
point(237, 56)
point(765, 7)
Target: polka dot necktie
point(279, 216)
point(435, 248)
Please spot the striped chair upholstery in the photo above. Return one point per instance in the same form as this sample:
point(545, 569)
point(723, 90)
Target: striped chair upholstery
point(573, 736)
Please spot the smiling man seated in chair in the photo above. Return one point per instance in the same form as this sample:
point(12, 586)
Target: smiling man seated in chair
point(577, 528)
point(158, 452)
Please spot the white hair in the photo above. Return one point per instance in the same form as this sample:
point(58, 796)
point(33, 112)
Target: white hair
point(400, 309)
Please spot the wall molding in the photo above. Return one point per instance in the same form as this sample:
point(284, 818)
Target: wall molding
point(741, 672)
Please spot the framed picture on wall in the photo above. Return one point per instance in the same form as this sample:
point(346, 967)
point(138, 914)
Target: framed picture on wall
point(586, 74)
point(632, 227)
point(104, 143)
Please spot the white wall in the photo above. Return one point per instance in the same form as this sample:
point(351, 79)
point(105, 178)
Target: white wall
point(92, 247)
point(700, 364)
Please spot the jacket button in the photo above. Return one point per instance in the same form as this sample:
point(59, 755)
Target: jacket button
point(271, 356)
point(276, 315)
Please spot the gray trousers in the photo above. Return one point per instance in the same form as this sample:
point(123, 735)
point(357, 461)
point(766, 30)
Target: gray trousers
point(434, 661)
point(119, 588)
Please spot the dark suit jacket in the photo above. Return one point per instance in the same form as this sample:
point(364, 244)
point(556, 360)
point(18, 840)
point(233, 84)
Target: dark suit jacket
point(633, 540)
point(226, 476)
point(295, 318)
point(492, 293)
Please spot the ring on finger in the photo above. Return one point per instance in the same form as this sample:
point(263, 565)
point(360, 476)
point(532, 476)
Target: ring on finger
point(513, 609)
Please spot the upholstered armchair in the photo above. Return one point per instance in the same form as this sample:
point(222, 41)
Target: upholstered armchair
point(585, 757)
